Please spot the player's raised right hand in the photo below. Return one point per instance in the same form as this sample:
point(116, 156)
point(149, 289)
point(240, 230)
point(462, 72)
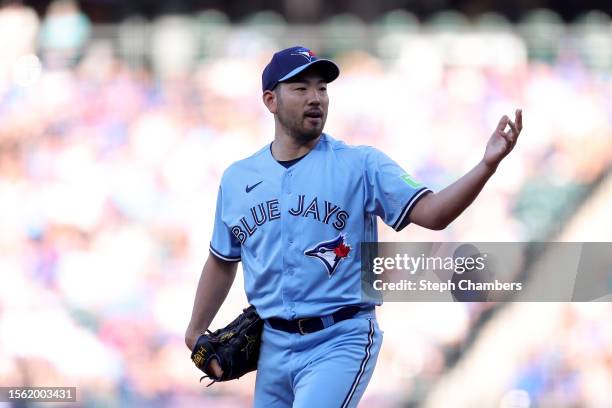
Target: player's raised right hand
point(502, 142)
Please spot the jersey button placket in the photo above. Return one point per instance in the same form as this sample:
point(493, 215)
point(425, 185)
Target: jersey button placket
point(290, 265)
point(286, 237)
point(290, 269)
point(289, 183)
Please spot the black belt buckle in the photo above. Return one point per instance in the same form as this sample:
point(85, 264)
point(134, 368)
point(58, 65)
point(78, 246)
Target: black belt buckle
point(299, 325)
point(301, 329)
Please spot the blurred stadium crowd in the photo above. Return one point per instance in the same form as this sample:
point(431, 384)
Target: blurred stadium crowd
point(113, 140)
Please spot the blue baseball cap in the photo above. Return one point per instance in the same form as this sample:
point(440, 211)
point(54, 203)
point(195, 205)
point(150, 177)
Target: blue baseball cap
point(287, 63)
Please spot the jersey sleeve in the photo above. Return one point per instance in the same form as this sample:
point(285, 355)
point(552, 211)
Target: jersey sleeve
point(391, 193)
point(224, 244)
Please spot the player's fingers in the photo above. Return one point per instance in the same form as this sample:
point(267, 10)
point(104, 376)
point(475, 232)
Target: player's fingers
point(509, 141)
point(514, 129)
point(216, 368)
point(502, 123)
point(519, 119)
point(511, 137)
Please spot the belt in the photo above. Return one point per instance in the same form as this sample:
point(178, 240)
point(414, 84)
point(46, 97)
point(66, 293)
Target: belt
point(312, 324)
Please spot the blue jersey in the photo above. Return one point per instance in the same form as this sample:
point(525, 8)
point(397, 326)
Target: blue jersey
point(298, 230)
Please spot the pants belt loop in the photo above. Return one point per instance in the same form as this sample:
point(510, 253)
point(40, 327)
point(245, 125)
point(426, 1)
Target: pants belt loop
point(327, 321)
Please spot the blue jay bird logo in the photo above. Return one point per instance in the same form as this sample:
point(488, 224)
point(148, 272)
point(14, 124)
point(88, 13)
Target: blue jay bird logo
point(330, 253)
point(306, 53)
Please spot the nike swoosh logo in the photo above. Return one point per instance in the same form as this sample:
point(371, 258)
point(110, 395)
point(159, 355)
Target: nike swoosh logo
point(249, 188)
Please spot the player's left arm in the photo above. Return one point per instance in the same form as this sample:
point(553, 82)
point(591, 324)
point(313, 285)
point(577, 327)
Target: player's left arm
point(437, 211)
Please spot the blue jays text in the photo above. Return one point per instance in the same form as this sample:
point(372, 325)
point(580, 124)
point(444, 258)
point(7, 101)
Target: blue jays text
point(269, 211)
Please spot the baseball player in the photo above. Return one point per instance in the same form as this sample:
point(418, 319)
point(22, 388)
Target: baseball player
point(294, 213)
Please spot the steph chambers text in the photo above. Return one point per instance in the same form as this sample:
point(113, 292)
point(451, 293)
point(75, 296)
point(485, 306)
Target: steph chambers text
point(425, 285)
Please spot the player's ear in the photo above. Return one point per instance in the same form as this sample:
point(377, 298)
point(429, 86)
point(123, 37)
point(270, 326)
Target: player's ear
point(270, 100)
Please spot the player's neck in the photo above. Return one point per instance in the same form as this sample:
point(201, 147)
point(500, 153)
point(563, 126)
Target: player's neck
point(286, 147)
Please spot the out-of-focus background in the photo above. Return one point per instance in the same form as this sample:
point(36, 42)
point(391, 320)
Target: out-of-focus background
point(118, 118)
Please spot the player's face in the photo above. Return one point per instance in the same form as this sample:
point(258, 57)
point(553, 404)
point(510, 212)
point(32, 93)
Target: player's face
point(302, 106)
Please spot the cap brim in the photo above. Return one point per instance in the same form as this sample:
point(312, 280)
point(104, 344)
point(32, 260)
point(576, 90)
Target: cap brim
point(328, 68)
